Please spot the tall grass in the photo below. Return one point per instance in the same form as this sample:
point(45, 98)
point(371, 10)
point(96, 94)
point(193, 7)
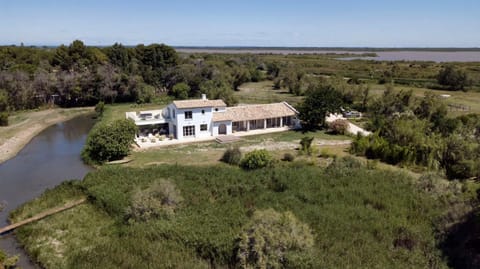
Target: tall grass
point(360, 218)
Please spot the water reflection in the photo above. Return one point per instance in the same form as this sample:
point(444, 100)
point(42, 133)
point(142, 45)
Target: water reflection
point(50, 158)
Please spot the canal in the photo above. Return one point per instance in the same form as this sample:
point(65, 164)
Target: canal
point(51, 157)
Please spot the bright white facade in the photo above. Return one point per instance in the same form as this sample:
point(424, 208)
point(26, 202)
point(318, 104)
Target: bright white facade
point(203, 118)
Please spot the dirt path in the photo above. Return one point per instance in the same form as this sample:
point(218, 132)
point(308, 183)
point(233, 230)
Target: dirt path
point(291, 145)
point(14, 137)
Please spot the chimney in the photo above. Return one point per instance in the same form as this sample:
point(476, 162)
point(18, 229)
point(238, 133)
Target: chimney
point(204, 96)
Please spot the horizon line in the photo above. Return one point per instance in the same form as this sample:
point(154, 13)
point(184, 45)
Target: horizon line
point(255, 46)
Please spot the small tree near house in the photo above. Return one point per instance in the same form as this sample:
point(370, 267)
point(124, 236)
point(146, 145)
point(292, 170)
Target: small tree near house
point(319, 102)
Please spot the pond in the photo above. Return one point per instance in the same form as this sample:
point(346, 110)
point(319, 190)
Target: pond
point(51, 157)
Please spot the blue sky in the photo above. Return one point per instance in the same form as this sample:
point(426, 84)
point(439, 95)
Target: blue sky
point(349, 23)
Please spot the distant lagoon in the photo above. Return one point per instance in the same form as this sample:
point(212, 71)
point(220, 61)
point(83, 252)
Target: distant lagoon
point(434, 55)
point(431, 56)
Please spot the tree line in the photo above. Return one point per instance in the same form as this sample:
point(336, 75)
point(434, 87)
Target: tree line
point(418, 132)
point(79, 75)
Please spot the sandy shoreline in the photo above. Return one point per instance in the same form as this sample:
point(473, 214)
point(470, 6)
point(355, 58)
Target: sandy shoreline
point(22, 132)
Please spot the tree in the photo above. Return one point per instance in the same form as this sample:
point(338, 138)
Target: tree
point(181, 90)
point(119, 56)
point(109, 142)
point(319, 102)
point(453, 78)
point(218, 89)
point(292, 79)
point(3, 108)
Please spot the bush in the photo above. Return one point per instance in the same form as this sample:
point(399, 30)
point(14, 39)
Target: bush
point(347, 162)
point(338, 126)
point(3, 118)
point(306, 145)
point(256, 159)
point(159, 200)
point(360, 145)
point(5, 261)
point(269, 237)
point(8, 262)
point(288, 157)
point(109, 142)
point(99, 108)
point(232, 156)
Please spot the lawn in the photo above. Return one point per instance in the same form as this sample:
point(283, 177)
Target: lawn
point(208, 153)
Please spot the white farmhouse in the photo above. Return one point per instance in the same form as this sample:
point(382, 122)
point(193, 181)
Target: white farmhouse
point(203, 118)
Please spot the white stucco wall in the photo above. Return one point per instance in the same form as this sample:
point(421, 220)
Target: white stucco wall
point(198, 118)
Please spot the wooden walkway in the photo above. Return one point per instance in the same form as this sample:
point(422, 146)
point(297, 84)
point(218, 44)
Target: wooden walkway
point(42, 215)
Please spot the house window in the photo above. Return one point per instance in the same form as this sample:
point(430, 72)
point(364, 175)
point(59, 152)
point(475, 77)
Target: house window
point(203, 112)
point(188, 130)
point(203, 127)
point(188, 115)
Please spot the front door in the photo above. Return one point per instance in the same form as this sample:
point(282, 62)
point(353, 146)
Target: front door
point(222, 129)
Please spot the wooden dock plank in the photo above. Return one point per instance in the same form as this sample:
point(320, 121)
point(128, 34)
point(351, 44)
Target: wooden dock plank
point(42, 215)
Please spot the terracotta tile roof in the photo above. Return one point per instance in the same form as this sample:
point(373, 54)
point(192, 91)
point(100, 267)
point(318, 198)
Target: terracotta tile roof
point(255, 112)
point(199, 103)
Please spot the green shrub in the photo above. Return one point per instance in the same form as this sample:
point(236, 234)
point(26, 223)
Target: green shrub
point(306, 145)
point(288, 157)
point(347, 162)
point(99, 108)
point(325, 153)
point(270, 235)
point(159, 200)
point(8, 262)
point(5, 261)
point(109, 142)
point(256, 159)
point(232, 156)
point(3, 118)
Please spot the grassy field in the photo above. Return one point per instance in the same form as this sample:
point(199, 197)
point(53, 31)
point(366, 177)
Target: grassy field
point(263, 92)
point(359, 218)
point(470, 99)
